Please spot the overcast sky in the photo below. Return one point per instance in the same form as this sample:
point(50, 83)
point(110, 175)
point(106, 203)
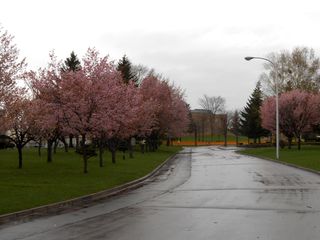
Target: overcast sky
point(198, 44)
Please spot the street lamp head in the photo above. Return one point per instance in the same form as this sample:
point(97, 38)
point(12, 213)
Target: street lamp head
point(248, 58)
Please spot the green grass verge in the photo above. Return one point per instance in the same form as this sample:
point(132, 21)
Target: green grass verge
point(39, 183)
point(307, 157)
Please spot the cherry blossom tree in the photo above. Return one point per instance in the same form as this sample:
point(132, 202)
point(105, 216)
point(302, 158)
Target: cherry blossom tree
point(17, 121)
point(124, 124)
point(11, 68)
point(97, 104)
point(46, 90)
point(179, 120)
point(298, 111)
point(168, 110)
point(15, 118)
point(82, 98)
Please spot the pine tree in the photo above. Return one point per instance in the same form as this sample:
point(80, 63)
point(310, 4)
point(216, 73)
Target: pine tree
point(72, 63)
point(250, 122)
point(124, 66)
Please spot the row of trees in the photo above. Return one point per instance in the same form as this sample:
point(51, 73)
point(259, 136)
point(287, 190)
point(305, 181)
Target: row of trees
point(299, 113)
point(95, 99)
point(298, 79)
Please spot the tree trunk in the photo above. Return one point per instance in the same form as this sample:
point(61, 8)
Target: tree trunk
point(299, 143)
point(148, 146)
point(55, 145)
point(71, 141)
point(225, 140)
point(211, 127)
point(49, 151)
point(195, 136)
point(155, 142)
point(85, 158)
point(77, 141)
point(130, 148)
point(289, 142)
point(153, 145)
point(66, 149)
point(101, 153)
point(237, 140)
point(168, 141)
point(202, 128)
point(83, 140)
point(112, 145)
point(39, 148)
point(20, 155)
point(113, 156)
point(65, 144)
point(142, 145)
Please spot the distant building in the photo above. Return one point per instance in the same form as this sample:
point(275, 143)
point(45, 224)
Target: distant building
point(208, 123)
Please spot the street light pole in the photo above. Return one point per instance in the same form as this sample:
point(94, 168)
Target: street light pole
point(277, 101)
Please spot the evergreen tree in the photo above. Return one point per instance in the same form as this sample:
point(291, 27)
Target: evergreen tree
point(72, 63)
point(124, 66)
point(250, 122)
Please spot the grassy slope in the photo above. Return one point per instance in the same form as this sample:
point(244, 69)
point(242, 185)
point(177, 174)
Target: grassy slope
point(308, 156)
point(40, 183)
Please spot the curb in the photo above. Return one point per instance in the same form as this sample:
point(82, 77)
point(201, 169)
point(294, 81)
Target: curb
point(80, 202)
point(283, 163)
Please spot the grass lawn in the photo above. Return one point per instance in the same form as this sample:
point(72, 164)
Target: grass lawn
point(39, 182)
point(308, 156)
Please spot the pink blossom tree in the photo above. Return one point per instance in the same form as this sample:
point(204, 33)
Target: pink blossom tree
point(15, 118)
point(179, 114)
point(11, 68)
point(92, 102)
point(157, 94)
point(97, 104)
point(168, 111)
point(18, 121)
point(298, 111)
point(82, 99)
point(121, 126)
point(46, 89)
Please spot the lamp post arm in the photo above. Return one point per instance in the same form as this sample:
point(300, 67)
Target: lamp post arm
point(265, 59)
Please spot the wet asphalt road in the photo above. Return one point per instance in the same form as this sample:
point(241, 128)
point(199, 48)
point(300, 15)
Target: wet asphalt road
point(212, 193)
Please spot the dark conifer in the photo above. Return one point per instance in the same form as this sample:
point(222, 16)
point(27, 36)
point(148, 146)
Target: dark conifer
point(124, 66)
point(250, 122)
point(72, 63)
